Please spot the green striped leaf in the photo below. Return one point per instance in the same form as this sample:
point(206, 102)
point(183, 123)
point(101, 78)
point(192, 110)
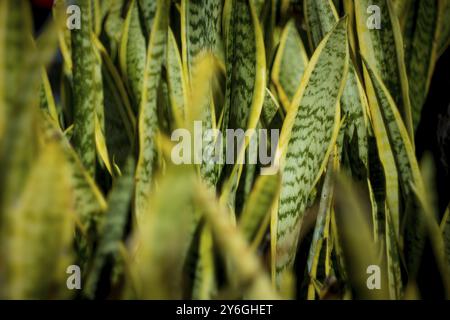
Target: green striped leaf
point(445, 228)
point(39, 245)
point(205, 282)
point(394, 144)
point(256, 213)
point(321, 229)
point(148, 9)
point(89, 201)
point(444, 26)
point(307, 137)
point(132, 54)
point(99, 120)
point(175, 79)
point(158, 268)
point(289, 65)
point(47, 102)
point(246, 80)
point(381, 102)
point(245, 67)
point(200, 36)
point(321, 17)
point(148, 121)
point(113, 227)
point(383, 49)
point(113, 25)
point(422, 55)
point(393, 259)
point(19, 100)
point(251, 279)
point(359, 251)
point(84, 89)
point(200, 29)
point(119, 119)
point(269, 109)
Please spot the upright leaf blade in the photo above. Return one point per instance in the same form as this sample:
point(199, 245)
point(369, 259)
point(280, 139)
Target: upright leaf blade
point(148, 121)
point(383, 49)
point(289, 65)
point(307, 137)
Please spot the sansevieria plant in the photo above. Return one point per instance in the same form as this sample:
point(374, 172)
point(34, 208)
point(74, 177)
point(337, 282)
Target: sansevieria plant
point(219, 149)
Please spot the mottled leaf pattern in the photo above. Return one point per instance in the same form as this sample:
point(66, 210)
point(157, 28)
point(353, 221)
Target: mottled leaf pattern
point(84, 89)
point(147, 126)
point(133, 53)
point(383, 48)
point(321, 16)
point(113, 226)
point(289, 65)
point(423, 54)
point(313, 117)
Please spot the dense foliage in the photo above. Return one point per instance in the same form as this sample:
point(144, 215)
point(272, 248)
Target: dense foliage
point(87, 113)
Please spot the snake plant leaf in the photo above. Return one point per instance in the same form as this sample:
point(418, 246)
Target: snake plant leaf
point(423, 54)
point(444, 27)
point(245, 67)
point(175, 79)
point(408, 173)
point(252, 280)
point(89, 201)
point(385, 182)
point(269, 109)
point(401, 7)
point(395, 149)
point(383, 49)
point(3, 110)
point(205, 282)
point(168, 221)
point(148, 122)
point(200, 37)
point(84, 89)
point(99, 117)
point(20, 87)
point(132, 54)
point(402, 148)
point(148, 11)
point(320, 17)
point(119, 119)
point(113, 226)
point(321, 229)
point(358, 248)
point(349, 10)
point(96, 16)
point(435, 236)
point(307, 137)
point(256, 212)
point(429, 211)
point(445, 227)
point(393, 259)
point(201, 106)
point(200, 29)
point(113, 26)
point(289, 65)
point(245, 83)
point(46, 44)
point(39, 252)
point(47, 102)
